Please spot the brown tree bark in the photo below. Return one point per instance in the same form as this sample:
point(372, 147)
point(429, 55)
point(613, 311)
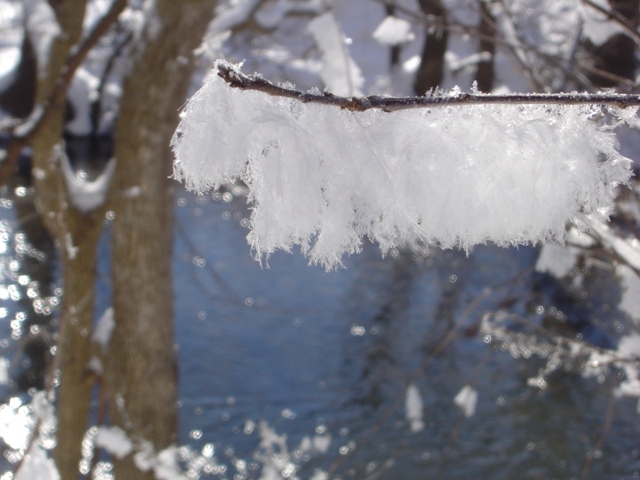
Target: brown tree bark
point(485, 73)
point(431, 71)
point(141, 373)
point(76, 235)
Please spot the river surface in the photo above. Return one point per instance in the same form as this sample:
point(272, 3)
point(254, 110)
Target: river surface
point(285, 367)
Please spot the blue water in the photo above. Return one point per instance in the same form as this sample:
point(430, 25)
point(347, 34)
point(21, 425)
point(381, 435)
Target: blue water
point(312, 353)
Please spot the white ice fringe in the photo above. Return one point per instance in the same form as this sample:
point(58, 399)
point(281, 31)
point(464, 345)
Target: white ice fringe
point(324, 178)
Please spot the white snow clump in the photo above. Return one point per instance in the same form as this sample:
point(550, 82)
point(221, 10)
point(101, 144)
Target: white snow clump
point(467, 399)
point(86, 195)
point(413, 406)
point(114, 440)
point(37, 466)
point(324, 178)
point(339, 72)
point(393, 31)
point(103, 329)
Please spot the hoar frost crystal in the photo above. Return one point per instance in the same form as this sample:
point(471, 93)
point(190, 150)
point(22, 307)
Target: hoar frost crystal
point(324, 178)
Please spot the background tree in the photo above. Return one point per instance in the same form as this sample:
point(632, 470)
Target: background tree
point(141, 368)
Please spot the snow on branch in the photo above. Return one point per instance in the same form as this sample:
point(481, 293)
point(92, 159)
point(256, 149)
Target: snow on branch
point(325, 178)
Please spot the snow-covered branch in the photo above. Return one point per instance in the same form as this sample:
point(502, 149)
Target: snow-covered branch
point(323, 178)
point(236, 79)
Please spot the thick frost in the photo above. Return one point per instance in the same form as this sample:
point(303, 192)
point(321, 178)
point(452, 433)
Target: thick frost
point(324, 178)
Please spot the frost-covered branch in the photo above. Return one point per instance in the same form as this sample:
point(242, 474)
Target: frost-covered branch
point(323, 178)
point(236, 79)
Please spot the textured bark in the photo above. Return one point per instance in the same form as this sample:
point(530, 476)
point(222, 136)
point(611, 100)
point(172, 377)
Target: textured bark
point(73, 394)
point(431, 71)
point(69, 229)
point(141, 373)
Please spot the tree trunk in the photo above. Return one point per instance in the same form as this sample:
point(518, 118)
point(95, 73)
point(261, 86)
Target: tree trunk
point(431, 71)
point(73, 394)
point(76, 235)
point(615, 60)
point(485, 73)
point(141, 372)
point(18, 99)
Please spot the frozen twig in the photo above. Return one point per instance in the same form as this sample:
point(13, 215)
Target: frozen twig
point(236, 79)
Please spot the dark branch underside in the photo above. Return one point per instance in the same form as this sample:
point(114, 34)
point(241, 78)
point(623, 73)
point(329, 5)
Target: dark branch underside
point(237, 79)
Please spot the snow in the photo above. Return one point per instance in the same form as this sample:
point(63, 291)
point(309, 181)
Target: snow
point(630, 282)
point(37, 466)
point(95, 10)
point(85, 195)
point(322, 178)
point(556, 260)
point(9, 58)
point(629, 348)
point(4, 371)
point(95, 365)
point(339, 73)
point(467, 399)
point(114, 440)
point(28, 125)
point(82, 91)
point(16, 423)
point(235, 14)
point(627, 249)
point(43, 28)
point(164, 464)
point(413, 406)
point(104, 329)
point(269, 16)
point(596, 26)
point(276, 459)
point(393, 31)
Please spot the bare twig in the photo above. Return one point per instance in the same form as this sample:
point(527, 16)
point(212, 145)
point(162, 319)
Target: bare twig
point(584, 474)
point(236, 79)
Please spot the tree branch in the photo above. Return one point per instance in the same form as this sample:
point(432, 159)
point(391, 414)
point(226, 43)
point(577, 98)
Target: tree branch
point(236, 79)
point(22, 133)
point(617, 17)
